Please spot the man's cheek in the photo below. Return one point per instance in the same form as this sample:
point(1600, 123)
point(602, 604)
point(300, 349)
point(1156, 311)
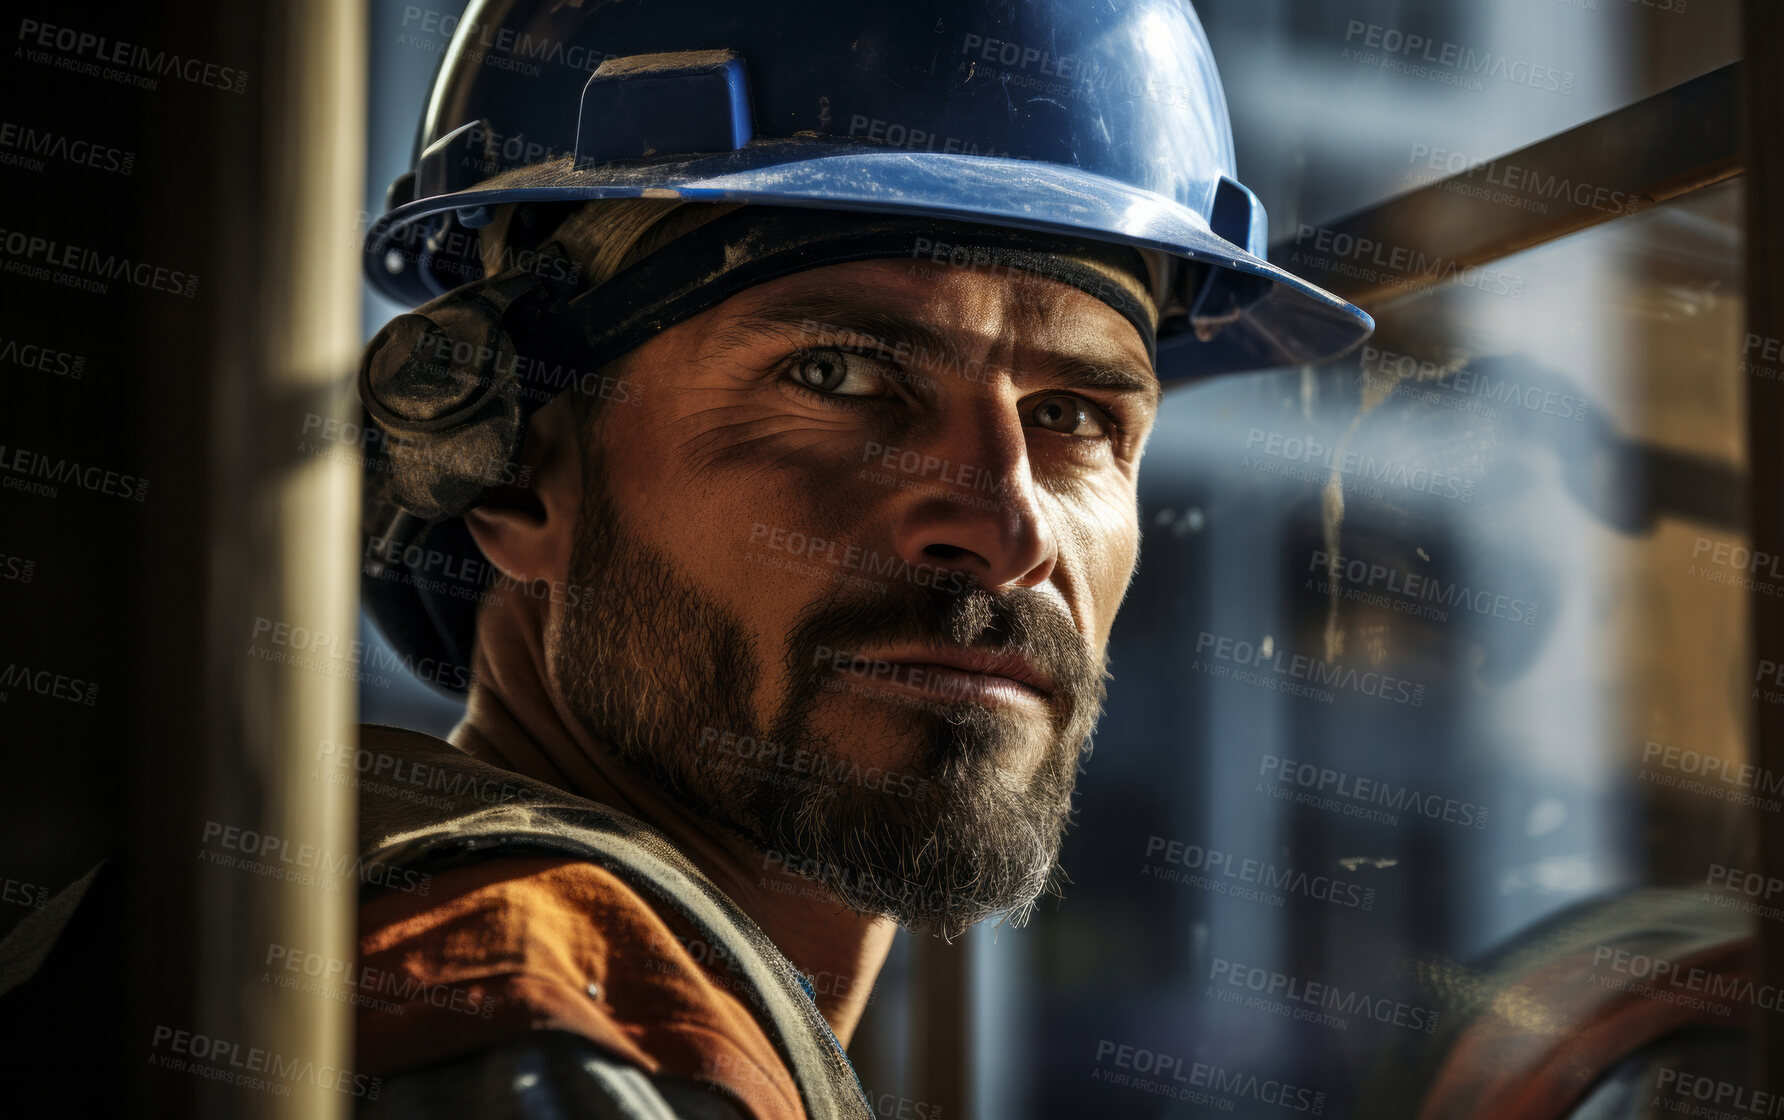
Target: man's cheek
point(763, 574)
point(1100, 536)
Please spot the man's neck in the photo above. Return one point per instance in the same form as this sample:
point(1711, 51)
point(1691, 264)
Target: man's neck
point(514, 720)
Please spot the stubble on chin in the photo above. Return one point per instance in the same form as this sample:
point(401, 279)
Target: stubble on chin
point(663, 675)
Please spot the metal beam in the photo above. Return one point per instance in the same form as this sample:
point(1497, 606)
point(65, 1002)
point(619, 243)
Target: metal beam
point(1672, 143)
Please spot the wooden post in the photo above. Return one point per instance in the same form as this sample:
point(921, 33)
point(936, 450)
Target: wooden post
point(1763, 126)
point(258, 187)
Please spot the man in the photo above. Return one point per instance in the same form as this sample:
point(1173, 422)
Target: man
point(792, 615)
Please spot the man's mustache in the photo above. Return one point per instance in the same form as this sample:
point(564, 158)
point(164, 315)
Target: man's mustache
point(1022, 622)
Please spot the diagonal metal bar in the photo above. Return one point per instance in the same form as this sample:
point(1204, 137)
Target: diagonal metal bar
point(1672, 143)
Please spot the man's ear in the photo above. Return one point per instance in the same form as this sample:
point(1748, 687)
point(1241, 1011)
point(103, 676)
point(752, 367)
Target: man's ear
point(526, 529)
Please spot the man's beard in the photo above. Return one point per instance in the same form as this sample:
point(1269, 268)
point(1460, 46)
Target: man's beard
point(662, 673)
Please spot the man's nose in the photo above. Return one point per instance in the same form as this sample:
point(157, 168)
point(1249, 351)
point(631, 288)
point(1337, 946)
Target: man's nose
point(982, 515)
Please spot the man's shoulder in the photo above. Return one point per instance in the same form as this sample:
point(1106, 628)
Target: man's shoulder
point(510, 944)
point(486, 948)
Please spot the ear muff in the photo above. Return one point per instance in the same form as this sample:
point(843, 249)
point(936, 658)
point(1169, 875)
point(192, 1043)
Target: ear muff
point(449, 388)
point(446, 386)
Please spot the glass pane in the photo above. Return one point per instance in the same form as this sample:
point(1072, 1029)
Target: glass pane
point(1338, 106)
point(1426, 647)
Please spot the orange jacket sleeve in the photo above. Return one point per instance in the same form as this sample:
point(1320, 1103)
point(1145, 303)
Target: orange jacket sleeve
point(513, 944)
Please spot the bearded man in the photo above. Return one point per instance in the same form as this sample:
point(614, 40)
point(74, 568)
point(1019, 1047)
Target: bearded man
point(798, 488)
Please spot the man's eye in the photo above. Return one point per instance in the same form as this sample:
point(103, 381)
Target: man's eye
point(1068, 415)
point(838, 373)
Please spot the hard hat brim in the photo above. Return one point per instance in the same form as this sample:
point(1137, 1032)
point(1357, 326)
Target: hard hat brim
point(1289, 322)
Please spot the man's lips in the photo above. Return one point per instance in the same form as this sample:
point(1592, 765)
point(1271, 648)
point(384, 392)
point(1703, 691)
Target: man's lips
point(957, 670)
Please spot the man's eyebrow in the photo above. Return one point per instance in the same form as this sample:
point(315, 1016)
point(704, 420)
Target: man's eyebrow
point(930, 350)
point(1071, 372)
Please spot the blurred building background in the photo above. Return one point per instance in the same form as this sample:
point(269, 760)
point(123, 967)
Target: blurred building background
point(1522, 610)
point(1554, 535)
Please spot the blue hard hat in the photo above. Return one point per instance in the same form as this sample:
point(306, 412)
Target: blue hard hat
point(1101, 121)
